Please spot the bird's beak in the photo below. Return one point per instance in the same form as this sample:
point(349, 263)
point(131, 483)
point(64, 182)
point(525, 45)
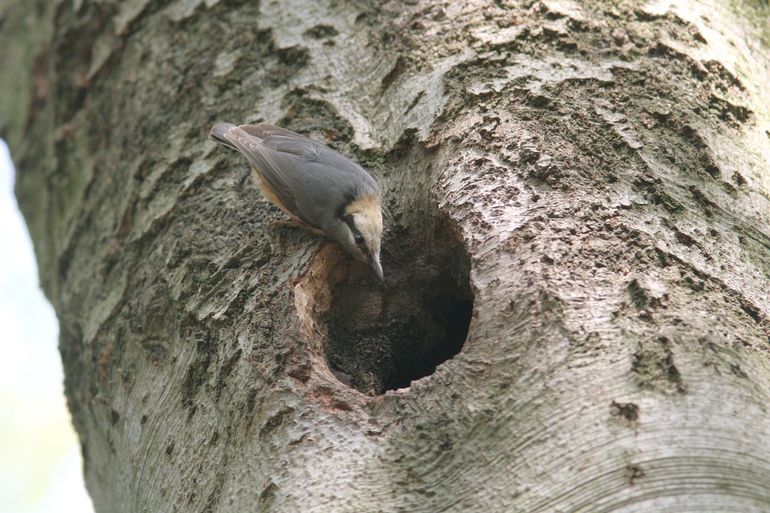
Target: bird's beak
point(377, 267)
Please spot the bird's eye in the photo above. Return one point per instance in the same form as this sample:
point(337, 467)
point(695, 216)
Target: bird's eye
point(358, 238)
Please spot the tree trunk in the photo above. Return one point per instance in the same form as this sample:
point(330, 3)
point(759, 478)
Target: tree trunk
point(581, 189)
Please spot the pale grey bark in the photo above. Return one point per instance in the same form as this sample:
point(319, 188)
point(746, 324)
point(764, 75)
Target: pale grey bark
point(593, 176)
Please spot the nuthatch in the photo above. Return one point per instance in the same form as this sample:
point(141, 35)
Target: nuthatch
point(320, 189)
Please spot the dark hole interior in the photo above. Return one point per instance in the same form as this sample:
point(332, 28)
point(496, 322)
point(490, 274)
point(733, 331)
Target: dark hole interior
point(384, 336)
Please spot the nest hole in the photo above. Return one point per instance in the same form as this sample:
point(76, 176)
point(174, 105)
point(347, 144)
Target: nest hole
point(383, 336)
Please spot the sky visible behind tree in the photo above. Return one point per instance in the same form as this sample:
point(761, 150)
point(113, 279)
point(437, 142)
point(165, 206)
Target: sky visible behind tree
point(40, 463)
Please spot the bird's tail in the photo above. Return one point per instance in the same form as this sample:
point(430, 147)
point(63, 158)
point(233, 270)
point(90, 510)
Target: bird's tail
point(218, 134)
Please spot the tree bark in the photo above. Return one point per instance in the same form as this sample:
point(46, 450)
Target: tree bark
point(577, 212)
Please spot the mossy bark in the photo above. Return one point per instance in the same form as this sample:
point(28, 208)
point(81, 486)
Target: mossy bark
point(592, 177)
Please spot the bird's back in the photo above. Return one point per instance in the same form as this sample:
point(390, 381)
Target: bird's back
point(310, 178)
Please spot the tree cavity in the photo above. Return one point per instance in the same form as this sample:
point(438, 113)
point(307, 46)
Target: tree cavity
point(376, 336)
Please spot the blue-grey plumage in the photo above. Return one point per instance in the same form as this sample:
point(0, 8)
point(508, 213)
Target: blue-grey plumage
point(316, 186)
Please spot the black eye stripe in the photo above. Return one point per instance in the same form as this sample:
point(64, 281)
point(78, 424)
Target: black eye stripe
point(349, 198)
point(348, 220)
point(357, 237)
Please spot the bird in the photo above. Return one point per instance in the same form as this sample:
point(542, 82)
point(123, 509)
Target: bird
point(319, 188)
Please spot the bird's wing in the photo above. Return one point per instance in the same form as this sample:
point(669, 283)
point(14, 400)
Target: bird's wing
point(265, 131)
point(285, 141)
point(271, 167)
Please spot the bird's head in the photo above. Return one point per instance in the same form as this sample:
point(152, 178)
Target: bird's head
point(359, 230)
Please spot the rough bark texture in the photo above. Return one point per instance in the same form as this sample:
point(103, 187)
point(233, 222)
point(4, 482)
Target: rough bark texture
point(587, 182)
